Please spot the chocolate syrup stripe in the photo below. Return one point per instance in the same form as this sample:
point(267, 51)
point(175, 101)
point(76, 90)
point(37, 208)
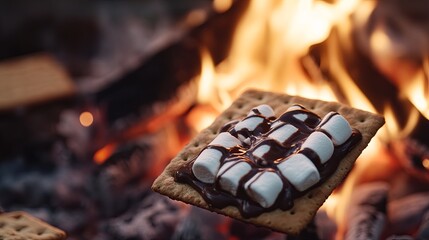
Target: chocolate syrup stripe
point(216, 198)
point(261, 128)
point(312, 119)
point(327, 118)
point(327, 169)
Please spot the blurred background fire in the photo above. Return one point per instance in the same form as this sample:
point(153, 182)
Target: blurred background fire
point(96, 97)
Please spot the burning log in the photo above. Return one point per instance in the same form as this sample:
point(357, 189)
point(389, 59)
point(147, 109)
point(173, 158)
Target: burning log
point(200, 224)
point(401, 237)
point(188, 229)
point(118, 180)
point(367, 217)
point(406, 214)
point(310, 232)
point(155, 217)
point(326, 227)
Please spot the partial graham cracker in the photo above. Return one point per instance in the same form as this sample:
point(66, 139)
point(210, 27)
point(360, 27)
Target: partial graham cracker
point(305, 207)
point(22, 226)
point(33, 79)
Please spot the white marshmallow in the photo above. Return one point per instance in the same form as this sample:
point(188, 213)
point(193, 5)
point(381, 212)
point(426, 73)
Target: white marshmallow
point(276, 124)
point(207, 165)
point(301, 116)
point(264, 188)
point(299, 171)
point(230, 175)
point(245, 140)
point(336, 126)
point(320, 144)
point(263, 109)
point(249, 123)
point(283, 133)
point(226, 140)
point(261, 150)
point(294, 107)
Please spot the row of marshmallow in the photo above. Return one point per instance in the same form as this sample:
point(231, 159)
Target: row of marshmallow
point(334, 124)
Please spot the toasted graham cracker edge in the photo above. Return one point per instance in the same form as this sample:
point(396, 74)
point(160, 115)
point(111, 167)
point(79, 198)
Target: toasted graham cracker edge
point(295, 219)
point(21, 225)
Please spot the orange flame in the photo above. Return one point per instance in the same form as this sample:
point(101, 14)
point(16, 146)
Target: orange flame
point(267, 54)
point(417, 88)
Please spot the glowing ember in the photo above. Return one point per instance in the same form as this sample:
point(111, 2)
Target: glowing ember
point(104, 153)
point(86, 119)
point(426, 163)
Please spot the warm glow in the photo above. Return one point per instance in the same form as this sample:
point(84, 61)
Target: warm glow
point(417, 89)
point(206, 82)
point(392, 129)
point(222, 5)
point(196, 17)
point(104, 153)
point(269, 41)
point(426, 163)
point(86, 119)
point(269, 52)
point(381, 43)
point(330, 204)
point(201, 117)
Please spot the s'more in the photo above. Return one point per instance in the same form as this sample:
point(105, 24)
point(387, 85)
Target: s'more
point(270, 159)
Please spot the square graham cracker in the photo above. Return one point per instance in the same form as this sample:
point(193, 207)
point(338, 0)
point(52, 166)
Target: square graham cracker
point(291, 221)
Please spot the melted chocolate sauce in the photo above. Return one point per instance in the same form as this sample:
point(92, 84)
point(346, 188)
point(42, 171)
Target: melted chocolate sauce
point(217, 198)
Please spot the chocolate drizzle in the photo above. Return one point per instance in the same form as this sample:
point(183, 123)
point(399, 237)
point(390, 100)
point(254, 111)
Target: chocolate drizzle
point(217, 198)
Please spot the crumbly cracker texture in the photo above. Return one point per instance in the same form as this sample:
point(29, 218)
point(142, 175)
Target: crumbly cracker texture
point(293, 220)
point(23, 226)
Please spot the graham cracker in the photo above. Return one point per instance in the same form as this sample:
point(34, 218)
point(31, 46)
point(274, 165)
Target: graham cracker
point(33, 79)
point(22, 226)
point(291, 221)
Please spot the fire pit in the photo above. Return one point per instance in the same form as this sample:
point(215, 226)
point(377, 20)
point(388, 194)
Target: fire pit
point(85, 163)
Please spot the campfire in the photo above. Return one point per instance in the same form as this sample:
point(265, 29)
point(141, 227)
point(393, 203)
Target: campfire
point(91, 174)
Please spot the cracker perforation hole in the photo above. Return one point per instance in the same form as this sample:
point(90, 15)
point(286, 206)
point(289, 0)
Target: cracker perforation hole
point(40, 231)
point(310, 196)
point(2, 224)
point(292, 212)
point(196, 144)
point(20, 227)
point(362, 120)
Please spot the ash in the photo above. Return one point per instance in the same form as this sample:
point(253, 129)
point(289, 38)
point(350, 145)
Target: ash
point(90, 201)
